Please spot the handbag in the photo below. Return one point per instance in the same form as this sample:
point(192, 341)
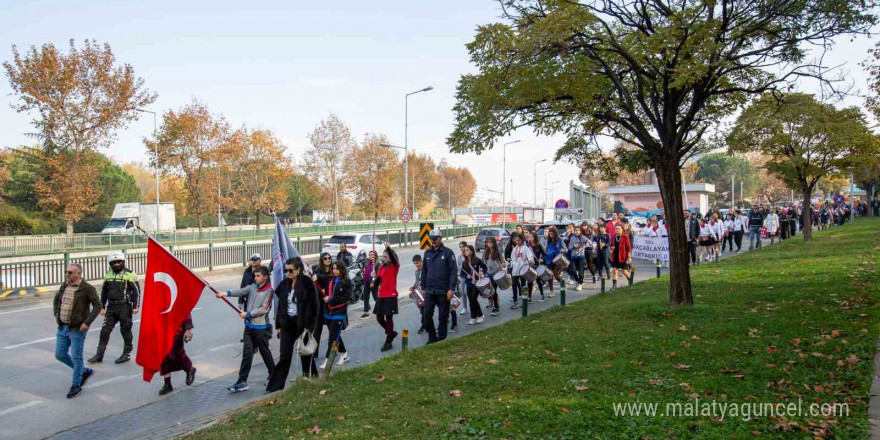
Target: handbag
point(306, 344)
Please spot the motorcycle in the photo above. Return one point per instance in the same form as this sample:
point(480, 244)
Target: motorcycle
point(356, 276)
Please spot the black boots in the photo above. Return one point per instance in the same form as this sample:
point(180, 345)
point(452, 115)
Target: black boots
point(388, 340)
point(99, 356)
point(167, 388)
point(125, 357)
point(191, 376)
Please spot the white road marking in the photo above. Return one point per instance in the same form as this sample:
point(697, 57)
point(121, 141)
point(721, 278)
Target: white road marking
point(224, 346)
point(10, 347)
point(25, 310)
point(19, 407)
point(106, 381)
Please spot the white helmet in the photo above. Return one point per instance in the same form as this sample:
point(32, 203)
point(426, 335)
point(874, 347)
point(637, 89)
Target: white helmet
point(115, 256)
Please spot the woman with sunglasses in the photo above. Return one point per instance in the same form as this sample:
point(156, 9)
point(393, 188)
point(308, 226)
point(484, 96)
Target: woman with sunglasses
point(386, 303)
point(321, 275)
point(336, 299)
point(298, 310)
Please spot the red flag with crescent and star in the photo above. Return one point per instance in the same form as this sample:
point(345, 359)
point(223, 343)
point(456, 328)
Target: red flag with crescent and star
point(171, 291)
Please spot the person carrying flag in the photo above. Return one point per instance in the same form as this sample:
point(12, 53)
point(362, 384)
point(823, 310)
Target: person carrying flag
point(177, 360)
point(255, 314)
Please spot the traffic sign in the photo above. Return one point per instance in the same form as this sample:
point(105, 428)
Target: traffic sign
point(424, 239)
point(561, 204)
point(405, 214)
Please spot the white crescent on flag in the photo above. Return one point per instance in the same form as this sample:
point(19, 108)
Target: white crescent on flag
point(164, 278)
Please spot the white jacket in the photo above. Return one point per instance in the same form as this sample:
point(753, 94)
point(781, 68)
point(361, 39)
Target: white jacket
point(728, 225)
point(717, 229)
point(520, 257)
point(771, 223)
point(739, 224)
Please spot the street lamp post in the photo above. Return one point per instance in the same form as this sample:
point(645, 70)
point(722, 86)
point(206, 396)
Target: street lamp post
point(406, 150)
point(503, 186)
point(535, 201)
point(155, 129)
point(546, 197)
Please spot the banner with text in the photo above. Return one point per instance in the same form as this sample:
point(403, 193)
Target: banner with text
point(651, 248)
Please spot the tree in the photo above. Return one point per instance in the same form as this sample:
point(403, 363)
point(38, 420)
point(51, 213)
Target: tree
point(302, 193)
point(806, 139)
point(371, 171)
point(257, 166)
point(718, 169)
point(331, 143)
point(81, 99)
point(422, 182)
point(652, 73)
point(190, 142)
point(455, 183)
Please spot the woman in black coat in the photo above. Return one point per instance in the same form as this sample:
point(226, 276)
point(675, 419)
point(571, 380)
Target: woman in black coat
point(298, 310)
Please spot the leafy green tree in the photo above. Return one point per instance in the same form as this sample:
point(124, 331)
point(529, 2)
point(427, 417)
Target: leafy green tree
point(655, 74)
point(806, 139)
point(718, 168)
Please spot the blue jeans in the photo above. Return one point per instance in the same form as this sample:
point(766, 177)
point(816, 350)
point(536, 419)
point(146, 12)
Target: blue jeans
point(755, 236)
point(72, 341)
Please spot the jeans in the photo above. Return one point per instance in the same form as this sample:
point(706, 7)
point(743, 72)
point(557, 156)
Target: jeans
point(255, 339)
point(72, 341)
point(578, 271)
point(692, 250)
point(590, 263)
point(462, 293)
point(602, 262)
point(436, 300)
point(755, 236)
point(335, 327)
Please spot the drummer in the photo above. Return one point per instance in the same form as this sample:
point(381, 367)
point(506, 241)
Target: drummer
point(473, 269)
point(555, 247)
point(534, 244)
point(495, 263)
point(521, 258)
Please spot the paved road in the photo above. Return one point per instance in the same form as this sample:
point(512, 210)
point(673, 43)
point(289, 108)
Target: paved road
point(33, 384)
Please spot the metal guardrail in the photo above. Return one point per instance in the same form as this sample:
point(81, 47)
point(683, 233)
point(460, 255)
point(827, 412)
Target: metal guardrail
point(50, 272)
point(28, 245)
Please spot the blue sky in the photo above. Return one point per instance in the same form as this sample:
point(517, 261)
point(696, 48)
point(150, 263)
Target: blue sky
point(286, 65)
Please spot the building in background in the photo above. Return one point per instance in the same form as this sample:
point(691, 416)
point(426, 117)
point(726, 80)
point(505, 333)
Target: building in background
point(644, 198)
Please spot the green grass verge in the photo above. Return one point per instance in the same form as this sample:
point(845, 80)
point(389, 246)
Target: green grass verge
point(792, 321)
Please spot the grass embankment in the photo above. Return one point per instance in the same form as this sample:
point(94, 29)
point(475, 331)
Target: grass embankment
point(792, 321)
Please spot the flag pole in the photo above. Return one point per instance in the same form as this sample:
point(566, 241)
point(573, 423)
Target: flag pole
point(150, 237)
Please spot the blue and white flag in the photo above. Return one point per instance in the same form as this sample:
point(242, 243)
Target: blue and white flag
point(282, 249)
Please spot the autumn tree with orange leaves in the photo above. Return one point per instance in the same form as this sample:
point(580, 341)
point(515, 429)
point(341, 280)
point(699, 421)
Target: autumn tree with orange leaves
point(371, 172)
point(190, 143)
point(80, 100)
point(256, 164)
point(455, 187)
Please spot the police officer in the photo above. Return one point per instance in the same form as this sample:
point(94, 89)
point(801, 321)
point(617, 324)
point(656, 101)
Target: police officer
point(119, 297)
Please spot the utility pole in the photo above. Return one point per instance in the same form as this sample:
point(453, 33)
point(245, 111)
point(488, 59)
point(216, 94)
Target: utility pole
point(732, 189)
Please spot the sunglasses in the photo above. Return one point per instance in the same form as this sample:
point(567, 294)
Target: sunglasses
point(70, 272)
point(290, 270)
point(327, 258)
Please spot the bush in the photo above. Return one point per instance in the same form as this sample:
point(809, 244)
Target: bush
point(14, 221)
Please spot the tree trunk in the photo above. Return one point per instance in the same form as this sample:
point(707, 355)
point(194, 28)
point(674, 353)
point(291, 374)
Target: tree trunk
point(258, 219)
point(669, 178)
point(808, 219)
point(335, 202)
point(70, 227)
point(200, 224)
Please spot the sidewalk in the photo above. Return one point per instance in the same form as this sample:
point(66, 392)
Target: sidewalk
point(198, 407)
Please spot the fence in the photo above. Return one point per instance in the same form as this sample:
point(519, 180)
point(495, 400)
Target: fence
point(24, 245)
point(50, 272)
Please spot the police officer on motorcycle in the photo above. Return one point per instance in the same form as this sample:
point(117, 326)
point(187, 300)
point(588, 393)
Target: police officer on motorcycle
point(119, 296)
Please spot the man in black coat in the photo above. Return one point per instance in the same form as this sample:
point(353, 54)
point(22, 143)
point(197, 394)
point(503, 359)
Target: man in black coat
point(439, 276)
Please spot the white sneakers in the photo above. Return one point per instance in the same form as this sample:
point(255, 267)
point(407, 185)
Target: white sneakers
point(579, 287)
point(343, 358)
point(472, 321)
point(480, 320)
point(323, 364)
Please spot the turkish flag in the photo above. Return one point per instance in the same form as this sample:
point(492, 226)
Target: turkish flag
point(171, 291)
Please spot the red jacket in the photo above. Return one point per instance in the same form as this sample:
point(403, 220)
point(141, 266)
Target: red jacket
point(624, 248)
point(388, 280)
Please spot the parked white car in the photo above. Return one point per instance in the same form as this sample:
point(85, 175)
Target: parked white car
point(354, 242)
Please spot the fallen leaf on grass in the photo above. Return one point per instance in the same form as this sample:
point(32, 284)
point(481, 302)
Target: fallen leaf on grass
point(340, 417)
point(432, 423)
point(492, 362)
point(579, 388)
point(656, 381)
point(260, 416)
point(322, 392)
point(379, 379)
point(565, 410)
point(606, 365)
point(455, 393)
point(738, 376)
point(817, 354)
point(549, 353)
point(796, 342)
point(450, 368)
point(315, 430)
point(681, 366)
point(516, 374)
